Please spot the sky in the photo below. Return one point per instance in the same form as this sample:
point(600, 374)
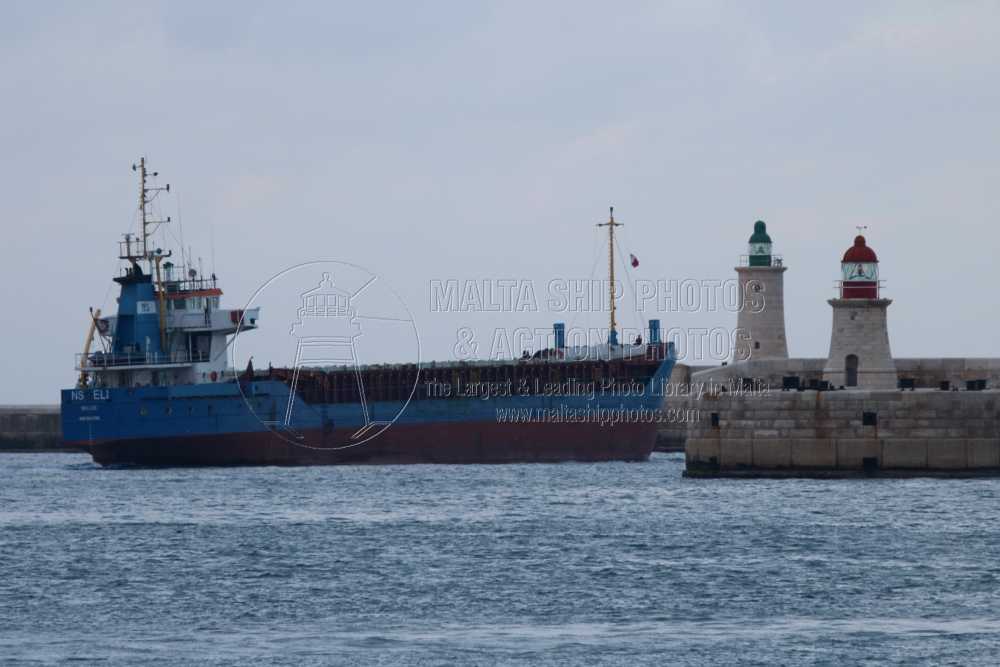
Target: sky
point(458, 141)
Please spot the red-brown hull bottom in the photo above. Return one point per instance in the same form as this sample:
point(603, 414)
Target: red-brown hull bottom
point(400, 444)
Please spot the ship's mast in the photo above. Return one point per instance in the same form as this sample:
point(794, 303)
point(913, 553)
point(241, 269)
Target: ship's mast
point(153, 257)
point(146, 196)
point(611, 224)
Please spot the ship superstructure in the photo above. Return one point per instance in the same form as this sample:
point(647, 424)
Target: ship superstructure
point(170, 328)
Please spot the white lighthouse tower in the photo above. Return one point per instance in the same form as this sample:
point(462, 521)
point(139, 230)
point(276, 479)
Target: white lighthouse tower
point(760, 321)
point(859, 344)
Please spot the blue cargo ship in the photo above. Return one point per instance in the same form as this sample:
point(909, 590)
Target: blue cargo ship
point(159, 389)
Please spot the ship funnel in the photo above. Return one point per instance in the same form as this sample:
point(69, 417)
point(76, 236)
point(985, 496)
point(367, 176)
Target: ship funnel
point(559, 333)
point(654, 332)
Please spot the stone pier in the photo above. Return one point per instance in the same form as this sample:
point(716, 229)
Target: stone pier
point(30, 428)
point(846, 433)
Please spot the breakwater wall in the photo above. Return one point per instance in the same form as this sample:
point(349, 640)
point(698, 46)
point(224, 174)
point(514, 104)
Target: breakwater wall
point(30, 428)
point(671, 434)
point(846, 433)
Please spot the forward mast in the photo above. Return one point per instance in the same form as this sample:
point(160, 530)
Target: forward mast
point(611, 224)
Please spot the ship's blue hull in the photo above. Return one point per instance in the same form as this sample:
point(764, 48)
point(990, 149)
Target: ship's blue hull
point(242, 423)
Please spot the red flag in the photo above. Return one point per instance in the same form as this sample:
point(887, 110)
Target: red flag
point(634, 260)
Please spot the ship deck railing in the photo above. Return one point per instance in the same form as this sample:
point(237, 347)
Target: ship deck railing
point(102, 360)
point(189, 284)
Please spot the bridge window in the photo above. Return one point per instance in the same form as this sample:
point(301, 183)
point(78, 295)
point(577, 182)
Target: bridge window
point(201, 345)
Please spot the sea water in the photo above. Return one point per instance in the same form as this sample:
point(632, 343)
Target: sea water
point(566, 564)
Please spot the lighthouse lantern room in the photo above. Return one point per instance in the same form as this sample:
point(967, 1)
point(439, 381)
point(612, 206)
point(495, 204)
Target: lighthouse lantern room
point(859, 270)
point(759, 247)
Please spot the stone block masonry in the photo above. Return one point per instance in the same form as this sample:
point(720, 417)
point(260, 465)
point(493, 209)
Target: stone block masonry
point(860, 336)
point(847, 433)
point(761, 313)
point(30, 428)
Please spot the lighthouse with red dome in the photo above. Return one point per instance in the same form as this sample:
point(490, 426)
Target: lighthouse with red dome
point(859, 343)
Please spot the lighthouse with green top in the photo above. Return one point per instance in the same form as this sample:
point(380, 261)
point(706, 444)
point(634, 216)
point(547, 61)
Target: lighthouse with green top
point(760, 323)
